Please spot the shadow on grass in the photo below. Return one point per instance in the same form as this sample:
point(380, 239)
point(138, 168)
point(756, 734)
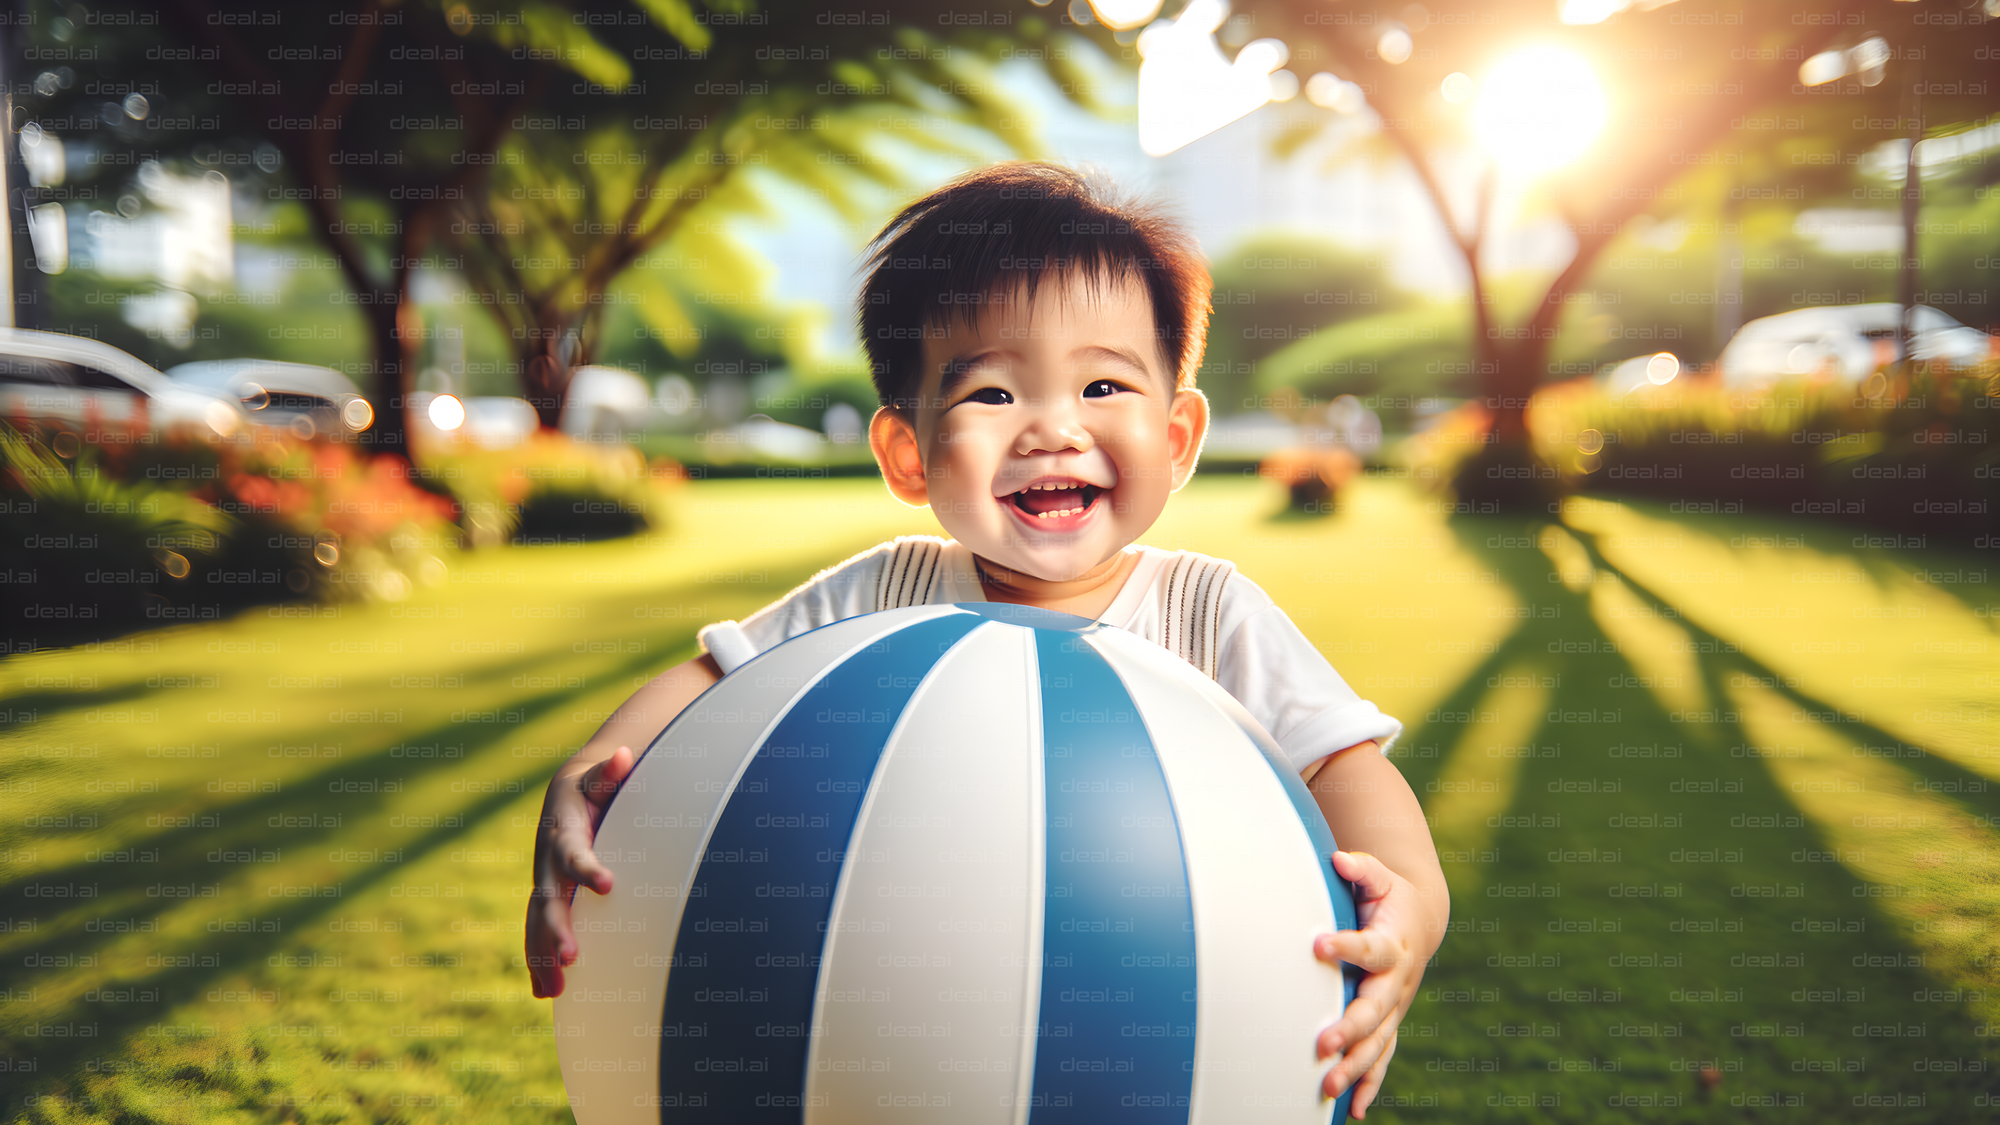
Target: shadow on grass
point(1643, 885)
point(290, 826)
point(206, 842)
point(298, 818)
point(1720, 656)
point(243, 942)
point(1884, 556)
point(31, 706)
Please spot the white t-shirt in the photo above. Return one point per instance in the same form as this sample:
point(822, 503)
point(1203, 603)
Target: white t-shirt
point(1262, 659)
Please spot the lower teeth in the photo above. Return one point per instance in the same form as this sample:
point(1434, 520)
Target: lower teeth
point(1082, 505)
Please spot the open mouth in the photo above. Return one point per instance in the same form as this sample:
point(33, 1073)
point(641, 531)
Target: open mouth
point(1053, 500)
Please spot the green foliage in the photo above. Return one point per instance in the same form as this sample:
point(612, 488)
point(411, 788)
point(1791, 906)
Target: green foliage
point(1919, 455)
point(538, 147)
point(635, 197)
point(87, 549)
point(551, 489)
point(1419, 352)
point(1278, 301)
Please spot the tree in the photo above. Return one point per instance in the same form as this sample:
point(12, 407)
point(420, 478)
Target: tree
point(1696, 96)
point(566, 211)
point(353, 112)
point(503, 130)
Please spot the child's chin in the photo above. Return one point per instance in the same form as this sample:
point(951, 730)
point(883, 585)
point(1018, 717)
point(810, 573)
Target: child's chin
point(1050, 564)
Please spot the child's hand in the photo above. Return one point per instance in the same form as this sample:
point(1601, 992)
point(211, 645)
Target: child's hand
point(563, 859)
point(1391, 931)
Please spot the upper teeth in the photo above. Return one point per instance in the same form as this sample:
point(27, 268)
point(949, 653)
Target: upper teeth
point(1051, 487)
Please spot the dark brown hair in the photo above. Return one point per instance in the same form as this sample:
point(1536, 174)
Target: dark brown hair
point(1019, 224)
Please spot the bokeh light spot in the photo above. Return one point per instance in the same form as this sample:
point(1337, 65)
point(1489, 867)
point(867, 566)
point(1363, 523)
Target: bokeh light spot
point(1120, 15)
point(446, 412)
point(1395, 45)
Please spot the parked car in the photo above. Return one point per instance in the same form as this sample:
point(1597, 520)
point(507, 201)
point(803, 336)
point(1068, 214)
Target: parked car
point(302, 397)
point(488, 421)
point(1847, 342)
point(605, 403)
point(86, 382)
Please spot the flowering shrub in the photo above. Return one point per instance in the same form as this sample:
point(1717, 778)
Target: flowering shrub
point(149, 528)
point(335, 520)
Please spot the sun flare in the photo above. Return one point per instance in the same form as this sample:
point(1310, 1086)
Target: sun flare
point(1538, 109)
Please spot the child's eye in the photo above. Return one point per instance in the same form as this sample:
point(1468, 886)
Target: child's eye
point(1101, 388)
point(990, 396)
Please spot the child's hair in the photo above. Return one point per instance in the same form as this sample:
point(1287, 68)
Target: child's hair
point(975, 239)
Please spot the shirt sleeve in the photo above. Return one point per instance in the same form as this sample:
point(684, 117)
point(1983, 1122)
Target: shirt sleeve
point(1287, 685)
point(834, 594)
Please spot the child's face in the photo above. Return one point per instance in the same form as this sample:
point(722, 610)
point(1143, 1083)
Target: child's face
point(1048, 434)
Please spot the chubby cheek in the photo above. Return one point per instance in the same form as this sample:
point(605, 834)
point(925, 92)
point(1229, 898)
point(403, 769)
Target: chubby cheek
point(1139, 450)
point(960, 462)
point(1142, 488)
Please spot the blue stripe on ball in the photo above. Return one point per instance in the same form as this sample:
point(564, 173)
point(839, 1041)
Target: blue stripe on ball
point(1117, 1011)
point(757, 911)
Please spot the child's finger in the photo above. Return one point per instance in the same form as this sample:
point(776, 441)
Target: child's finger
point(1377, 1006)
point(1370, 876)
point(1353, 1064)
point(1356, 1024)
point(549, 946)
point(1371, 949)
point(1371, 1083)
point(579, 864)
point(602, 780)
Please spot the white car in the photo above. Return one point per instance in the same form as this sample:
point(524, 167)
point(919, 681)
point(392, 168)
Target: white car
point(86, 382)
point(1848, 342)
point(605, 403)
point(302, 397)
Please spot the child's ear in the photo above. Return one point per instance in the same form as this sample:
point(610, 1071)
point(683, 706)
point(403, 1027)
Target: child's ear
point(892, 437)
point(1187, 425)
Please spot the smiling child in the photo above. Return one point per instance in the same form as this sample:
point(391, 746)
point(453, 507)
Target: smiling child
point(1034, 341)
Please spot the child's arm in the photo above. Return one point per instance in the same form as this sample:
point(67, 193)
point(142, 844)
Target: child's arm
point(575, 803)
point(1403, 906)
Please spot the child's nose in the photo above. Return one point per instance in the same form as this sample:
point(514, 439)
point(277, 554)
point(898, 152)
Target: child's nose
point(1053, 427)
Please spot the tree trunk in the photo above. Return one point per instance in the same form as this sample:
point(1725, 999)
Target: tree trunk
point(545, 369)
point(557, 344)
point(391, 356)
point(1510, 370)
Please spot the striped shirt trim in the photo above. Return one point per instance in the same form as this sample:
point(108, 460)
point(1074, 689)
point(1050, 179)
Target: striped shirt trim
point(911, 574)
point(1191, 611)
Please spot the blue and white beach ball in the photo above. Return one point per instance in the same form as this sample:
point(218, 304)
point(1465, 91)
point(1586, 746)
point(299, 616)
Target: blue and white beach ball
point(973, 863)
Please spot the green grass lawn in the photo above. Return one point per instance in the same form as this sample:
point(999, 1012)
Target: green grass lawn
point(1713, 793)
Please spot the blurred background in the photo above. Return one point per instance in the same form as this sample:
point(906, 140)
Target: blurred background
point(1608, 388)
